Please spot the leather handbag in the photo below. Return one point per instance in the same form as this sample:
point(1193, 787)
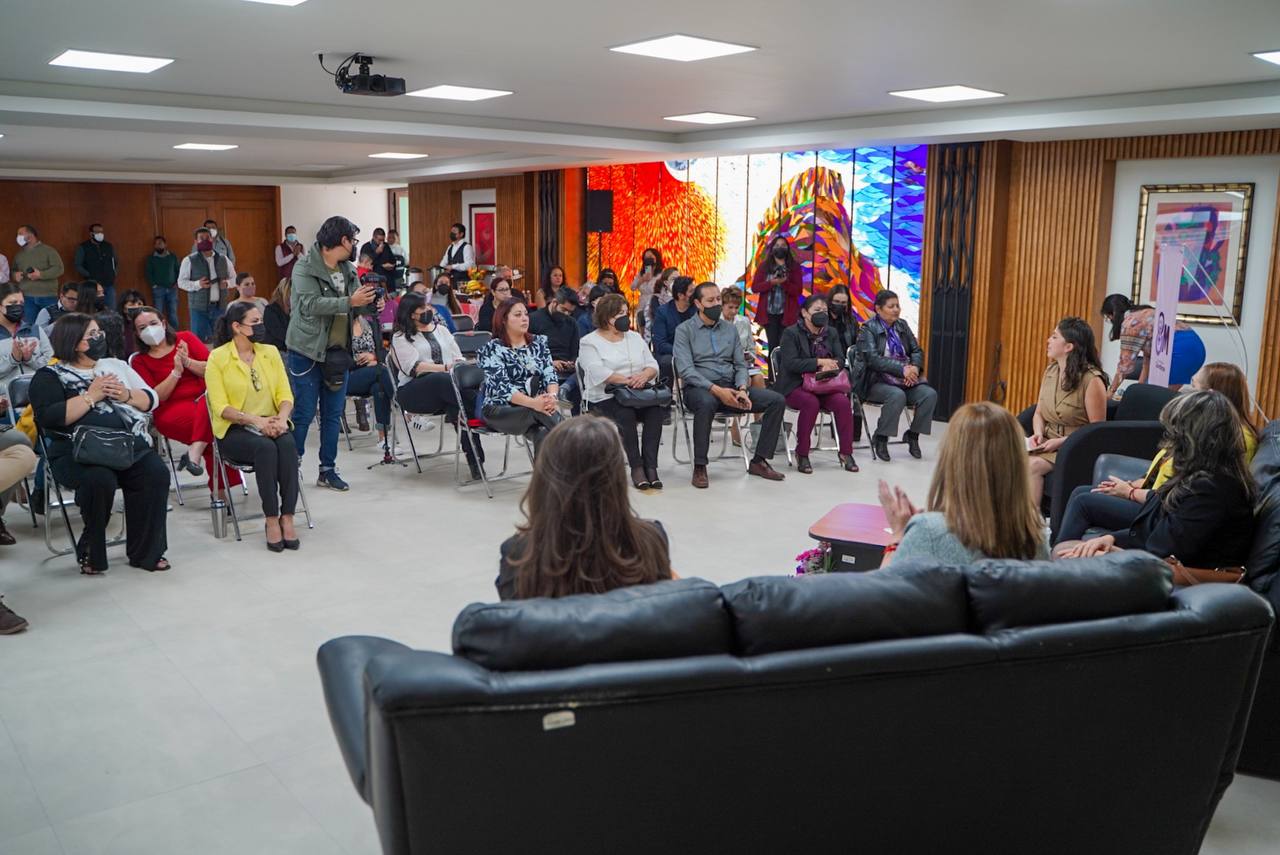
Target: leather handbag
point(656, 395)
point(1184, 576)
point(828, 384)
point(100, 446)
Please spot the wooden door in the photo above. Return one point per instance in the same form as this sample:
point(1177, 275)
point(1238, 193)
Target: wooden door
point(250, 226)
point(178, 224)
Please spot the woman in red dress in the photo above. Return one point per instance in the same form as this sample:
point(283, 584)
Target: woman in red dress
point(173, 365)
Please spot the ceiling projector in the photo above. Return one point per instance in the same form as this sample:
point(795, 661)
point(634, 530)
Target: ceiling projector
point(362, 82)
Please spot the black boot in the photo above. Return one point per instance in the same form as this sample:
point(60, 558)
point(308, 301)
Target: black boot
point(913, 443)
point(880, 447)
point(362, 415)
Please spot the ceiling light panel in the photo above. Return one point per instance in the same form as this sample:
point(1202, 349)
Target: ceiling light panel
point(682, 48)
point(459, 93)
point(1269, 56)
point(397, 155)
point(708, 118)
point(109, 61)
point(203, 146)
point(942, 94)
point(279, 2)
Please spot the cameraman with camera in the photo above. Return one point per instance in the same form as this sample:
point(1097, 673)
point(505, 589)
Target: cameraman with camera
point(324, 292)
point(779, 283)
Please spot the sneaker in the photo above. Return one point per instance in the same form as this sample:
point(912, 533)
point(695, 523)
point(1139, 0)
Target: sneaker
point(10, 622)
point(333, 481)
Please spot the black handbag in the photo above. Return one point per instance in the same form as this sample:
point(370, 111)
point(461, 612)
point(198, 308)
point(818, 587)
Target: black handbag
point(656, 395)
point(100, 446)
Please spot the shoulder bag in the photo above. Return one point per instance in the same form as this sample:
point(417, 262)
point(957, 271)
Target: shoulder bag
point(1184, 576)
point(653, 395)
point(827, 383)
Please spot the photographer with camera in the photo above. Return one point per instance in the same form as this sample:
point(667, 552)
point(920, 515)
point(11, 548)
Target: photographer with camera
point(368, 379)
point(324, 291)
point(778, 282)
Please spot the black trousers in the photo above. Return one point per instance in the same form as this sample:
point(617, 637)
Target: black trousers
point(628, 420)
point(520, 421)
point(773, 336)
point(432, 394)
point(145, 485)
point(705, 406)
point(275, 466)
point(666, 370)
point(1087, 509)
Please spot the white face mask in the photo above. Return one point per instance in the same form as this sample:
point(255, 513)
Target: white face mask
point(99, 236)
point(153, 334)
point(213, 232)
point(22, 240)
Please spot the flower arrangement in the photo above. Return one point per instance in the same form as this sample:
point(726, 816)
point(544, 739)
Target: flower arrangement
point(475, 282)
point(817, 560)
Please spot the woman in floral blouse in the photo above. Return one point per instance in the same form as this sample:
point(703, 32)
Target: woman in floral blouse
point(520, 391)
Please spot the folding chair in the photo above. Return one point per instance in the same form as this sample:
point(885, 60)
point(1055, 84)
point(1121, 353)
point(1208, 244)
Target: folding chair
point(392, 367)
point(218, 508)
point(825, 420)
point(582, 386)
point(471, 342)
point(723, 417)
point(860, 412)
point(469, 376)
point(20, 386)
point(163, 441)
point(464, 323)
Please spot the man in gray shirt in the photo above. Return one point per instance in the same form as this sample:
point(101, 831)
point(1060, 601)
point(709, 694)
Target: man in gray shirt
point(713, 369)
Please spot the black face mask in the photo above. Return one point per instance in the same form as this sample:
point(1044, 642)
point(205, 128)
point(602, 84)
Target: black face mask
point(454, 235)
point(819, 319)
point(13, 312)
point(160, 250)
point(132, 314)
point(97, 347)
point(427, 317)
point(622, 324)
point(259, 333)
point(780, 254)
point(838, 310)
point(712, 313)
point(442, 290)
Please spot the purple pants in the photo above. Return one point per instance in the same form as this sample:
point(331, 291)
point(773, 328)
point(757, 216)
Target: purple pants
point(836, 403)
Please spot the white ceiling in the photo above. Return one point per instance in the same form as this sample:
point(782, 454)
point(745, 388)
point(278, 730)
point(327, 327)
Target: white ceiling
point(247, 73)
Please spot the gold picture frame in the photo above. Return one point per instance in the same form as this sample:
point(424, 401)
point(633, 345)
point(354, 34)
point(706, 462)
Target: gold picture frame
point(1216, 289)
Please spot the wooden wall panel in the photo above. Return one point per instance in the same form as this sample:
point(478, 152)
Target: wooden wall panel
point(1268, 391)
point(988, 272)
point(573, 226)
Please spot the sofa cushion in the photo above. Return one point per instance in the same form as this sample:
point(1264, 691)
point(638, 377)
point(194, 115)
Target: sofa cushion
point(685, 617)
point(1005, 594)
point(772, 613)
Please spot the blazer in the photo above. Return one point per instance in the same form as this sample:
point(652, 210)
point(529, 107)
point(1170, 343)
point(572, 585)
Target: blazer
point(872, 361)
point(1211, 526)
point(227, 380)
point(796, 357)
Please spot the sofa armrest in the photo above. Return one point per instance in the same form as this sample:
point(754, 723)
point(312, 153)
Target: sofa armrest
point(1074, 465)
point(342, 662)
point(1121, 465)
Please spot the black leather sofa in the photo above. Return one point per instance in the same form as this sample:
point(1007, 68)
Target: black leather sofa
point(1132, 428)
point(1005, 707)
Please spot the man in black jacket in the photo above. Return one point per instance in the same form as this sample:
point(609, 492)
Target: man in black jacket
point(96, 259)
point(384, 260)
point(556, 321)
point(890, 373)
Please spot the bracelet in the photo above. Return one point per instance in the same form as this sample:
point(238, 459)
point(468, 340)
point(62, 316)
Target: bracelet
point(87, 399)
point(891, 548)
point(1132, 490)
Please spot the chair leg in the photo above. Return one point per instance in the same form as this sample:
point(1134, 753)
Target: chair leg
point(306, 509)
point(408, 433)
point(26, 486)
point(173, 467)
point(346, 431)
point(235, 519)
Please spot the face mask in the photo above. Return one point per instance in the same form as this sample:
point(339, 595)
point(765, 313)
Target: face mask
point(257, 332)
point(780, 254)
point(99, 303)
point(99, 236)
point(622, 324)
point(160, 250)
point(712, 313)
point(454, 236)
point(427, 318)
point(838, 310)
point(152, 335)
point(442, 290)
point(664, 298)
point(22, 240)
point(205, 246)
point(13, 312)
point(97, 347)
point(819, 319)
point(291, 238)
point(213, 232)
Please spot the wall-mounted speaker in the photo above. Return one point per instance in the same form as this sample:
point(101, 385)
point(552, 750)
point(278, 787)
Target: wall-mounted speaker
point(599, 210)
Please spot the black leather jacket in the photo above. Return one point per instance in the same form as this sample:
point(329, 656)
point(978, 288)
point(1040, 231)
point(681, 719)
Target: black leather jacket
point(872, 362)
point(795, 356)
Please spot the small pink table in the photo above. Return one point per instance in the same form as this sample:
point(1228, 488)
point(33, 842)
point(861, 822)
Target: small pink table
point(857, 533)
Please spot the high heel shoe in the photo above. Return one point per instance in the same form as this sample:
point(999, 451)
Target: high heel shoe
point(638, 480)
point(278, 546)
point(655, 483)
point(294, 545)
point(849, 464)
point(803, 466)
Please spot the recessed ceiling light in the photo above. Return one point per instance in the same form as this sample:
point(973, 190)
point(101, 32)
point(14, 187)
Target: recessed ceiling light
point(459, 93)
point(709, 118)
point(109, 61)
point(1269, 56)
point(205, 146)
point(682, 48)
point(397, 155)
point(280, 2)
point(938, 94)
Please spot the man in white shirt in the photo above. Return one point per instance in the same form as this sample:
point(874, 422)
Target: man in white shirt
point(207, 277)
point(459, 256)
point(221, 244)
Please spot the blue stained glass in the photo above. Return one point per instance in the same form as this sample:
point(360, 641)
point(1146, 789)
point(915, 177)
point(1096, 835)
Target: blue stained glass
point(908, 219)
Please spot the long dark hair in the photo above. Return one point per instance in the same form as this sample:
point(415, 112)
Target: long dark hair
point(65, 335)
point(549, 290)
point(1115, 307)
point(1083, 355)
point(657, 254)
point(580, 533)
point(87, 297)
point(791, 251)
point(1202, 435)
point(405, 324)
point(233, 315)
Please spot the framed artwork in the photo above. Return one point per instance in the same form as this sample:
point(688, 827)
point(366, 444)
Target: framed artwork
point(484, 233)
point(1215, 219)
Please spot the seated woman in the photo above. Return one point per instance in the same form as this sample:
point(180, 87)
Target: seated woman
point(131, 302)
point(811, 346)
point(24, 348)
point(1133, 326)
point(499, 293)
point(580, 534)
point(247, 291)
point(1203, 515)
point(891, 365)
point(442, 297)
point(174, 364)
point(520, 390)
point(1073, 393)
point(250, 400)
point(843, 320)
point(423, 353)
point(276, 315)
point(86, 388)
point(614, 355)
point(369, 379)
point(980, 503)
point(1116, 502)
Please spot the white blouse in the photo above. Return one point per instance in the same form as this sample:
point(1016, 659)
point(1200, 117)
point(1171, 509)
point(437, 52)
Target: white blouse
point(410, 353)
point(600, 358)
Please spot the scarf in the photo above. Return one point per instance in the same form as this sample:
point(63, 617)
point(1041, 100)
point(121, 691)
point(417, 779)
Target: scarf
point(894, 350)
point(135, 421)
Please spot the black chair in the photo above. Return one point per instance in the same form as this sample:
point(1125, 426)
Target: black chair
point(392, 367)
point(463, 323)
point(467, 378)
point(21, 386)
point(860, 418)
point(723, 417)
point(471, 342)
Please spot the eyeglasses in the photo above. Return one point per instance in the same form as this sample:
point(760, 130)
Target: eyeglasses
point(254, 379)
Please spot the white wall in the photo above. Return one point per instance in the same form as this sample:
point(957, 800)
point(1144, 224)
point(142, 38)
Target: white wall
point(306, 206)
point(1221, 342)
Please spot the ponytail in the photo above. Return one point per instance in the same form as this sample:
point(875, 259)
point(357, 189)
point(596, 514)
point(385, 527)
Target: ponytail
point(233, 315)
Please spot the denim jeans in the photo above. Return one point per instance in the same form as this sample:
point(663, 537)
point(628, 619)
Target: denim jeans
point(166, 300)
point(31, 307)
point(309, 392)
point(203, 323)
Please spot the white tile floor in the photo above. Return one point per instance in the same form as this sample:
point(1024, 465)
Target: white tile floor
point(181, 712)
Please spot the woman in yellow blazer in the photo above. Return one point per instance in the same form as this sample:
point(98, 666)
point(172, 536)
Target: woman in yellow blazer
point(250, 402)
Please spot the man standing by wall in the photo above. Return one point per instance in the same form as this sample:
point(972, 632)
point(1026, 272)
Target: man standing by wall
point(96, 259)
point(288, 251)
point(162, 276)
point(221, 243)
point(323, 293)
point(206, 276)
point(459, 257)
point(39, 266)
